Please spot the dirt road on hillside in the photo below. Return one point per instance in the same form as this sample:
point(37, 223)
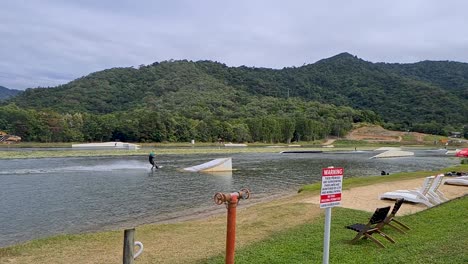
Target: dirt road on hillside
point(379, 134)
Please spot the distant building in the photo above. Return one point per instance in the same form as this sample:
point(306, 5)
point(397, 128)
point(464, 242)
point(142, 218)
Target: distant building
point(455, 134)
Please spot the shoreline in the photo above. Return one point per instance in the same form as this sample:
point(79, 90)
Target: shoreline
point(25, 153)
point(195, 214)
point(191, 239)
point(22, 154)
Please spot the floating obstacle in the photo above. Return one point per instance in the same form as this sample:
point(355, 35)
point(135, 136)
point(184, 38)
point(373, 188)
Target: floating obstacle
point(281, 146)
point(217, 165)
point(452, 152)
point(107, 145)
point(235, 145)
point(393, 154)
point(300, 151)
point(387, 148)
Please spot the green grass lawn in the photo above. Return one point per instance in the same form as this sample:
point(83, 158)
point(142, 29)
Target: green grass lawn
point(438, 235)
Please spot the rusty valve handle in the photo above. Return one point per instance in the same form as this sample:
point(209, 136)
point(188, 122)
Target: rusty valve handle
point(221, 198)
point(244, 193)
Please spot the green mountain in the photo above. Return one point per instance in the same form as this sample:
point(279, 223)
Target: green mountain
point(450, 75)
point(427, 96)
point(400, 93)
point(6, 93)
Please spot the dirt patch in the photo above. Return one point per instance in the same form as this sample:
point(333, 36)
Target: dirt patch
point(329, 142)
point(379, 134)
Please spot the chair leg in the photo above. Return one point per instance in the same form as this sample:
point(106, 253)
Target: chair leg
point(442, 196)
point(386, 236)
point(400, 223)
point(396, 228)
point(356, 238)
point(375, 240)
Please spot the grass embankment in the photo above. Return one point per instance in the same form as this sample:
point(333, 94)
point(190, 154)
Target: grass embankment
point(181, 148)
point(162, 150)
point(279, 231)
point(140, 152)
point(438, 235)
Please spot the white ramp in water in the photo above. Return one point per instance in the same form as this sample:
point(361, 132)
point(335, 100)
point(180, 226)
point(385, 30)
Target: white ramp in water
point(387, 148)
point(107, 145)
point(452, 152)
point(235, 145)
point(224, 164)
point(394, 154)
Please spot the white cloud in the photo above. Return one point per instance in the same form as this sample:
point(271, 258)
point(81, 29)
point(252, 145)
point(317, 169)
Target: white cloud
point(45, 43)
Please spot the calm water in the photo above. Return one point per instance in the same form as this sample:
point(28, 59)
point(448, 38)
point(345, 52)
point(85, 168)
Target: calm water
point(44, 197)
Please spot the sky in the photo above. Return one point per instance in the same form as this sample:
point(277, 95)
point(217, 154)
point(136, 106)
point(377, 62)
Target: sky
point(51, 42)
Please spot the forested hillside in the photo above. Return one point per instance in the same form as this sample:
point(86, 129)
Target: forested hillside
point(7, 93)
point(204, 100)
point(450, 75)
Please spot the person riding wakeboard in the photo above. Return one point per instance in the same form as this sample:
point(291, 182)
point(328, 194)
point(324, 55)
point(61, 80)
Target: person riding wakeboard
point(151, 160)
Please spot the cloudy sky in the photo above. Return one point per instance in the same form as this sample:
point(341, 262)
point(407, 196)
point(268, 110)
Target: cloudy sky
point(50, 42)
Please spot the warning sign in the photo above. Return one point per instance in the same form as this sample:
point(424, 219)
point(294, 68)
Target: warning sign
point(332, 183)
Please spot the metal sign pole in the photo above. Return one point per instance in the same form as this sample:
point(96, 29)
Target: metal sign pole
point(326, 236)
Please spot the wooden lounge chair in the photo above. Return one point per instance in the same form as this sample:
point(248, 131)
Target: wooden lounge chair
point(376, 222)
point(391, 218)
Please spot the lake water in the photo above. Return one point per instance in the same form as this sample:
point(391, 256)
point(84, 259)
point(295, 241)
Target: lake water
point(49, 196)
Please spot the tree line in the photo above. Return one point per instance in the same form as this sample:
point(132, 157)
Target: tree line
point(143, 125)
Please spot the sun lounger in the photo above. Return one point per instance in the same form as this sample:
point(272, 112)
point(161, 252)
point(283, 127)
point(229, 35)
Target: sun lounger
point(432, 194)
point(415, 196)
point(463, 180)
point(436, 196)
point(424, 187)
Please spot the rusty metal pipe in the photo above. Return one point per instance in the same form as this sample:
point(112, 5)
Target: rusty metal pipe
point(231, 229)
point(231, 200)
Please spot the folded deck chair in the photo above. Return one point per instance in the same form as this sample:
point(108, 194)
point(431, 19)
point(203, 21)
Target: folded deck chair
point(427, 183)
point(390, 219)
point(434, 194)
point(376, 222)
point(415, 196)
point(462, 180)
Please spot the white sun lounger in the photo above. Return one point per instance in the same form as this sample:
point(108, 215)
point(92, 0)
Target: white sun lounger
point(434, 193)
point(424, 187)
point(427, 194)
point(462, 180)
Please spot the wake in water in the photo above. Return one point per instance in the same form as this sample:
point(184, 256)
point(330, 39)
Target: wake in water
point(131, 165)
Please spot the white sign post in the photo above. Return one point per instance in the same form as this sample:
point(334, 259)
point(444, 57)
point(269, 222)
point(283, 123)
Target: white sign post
point(330, 196)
